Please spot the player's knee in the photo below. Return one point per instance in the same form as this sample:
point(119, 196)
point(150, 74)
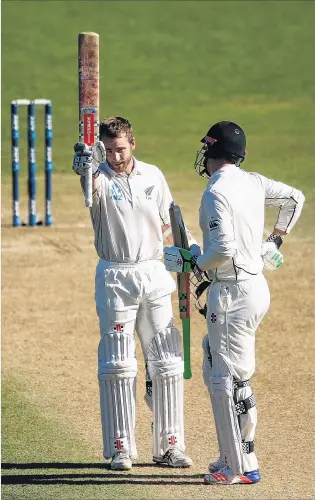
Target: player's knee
point(116, 356)
point(164, 354)
point(222, 387)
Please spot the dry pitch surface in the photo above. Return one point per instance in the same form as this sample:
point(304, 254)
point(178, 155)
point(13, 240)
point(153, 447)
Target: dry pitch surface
point(50, 337)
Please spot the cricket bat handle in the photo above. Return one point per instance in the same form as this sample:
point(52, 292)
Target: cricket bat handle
point(88, 188)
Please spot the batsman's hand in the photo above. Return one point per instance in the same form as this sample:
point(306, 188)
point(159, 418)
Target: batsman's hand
point(271, 255)
point(179, 260)
point(86, 157)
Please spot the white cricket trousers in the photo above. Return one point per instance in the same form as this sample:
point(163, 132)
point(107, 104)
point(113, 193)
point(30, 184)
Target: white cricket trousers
point(234, 311)
point(134, 297)
point(129, 298)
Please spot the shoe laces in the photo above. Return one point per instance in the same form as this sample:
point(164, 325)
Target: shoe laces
point(218, 462)
point(225, 470)
point(176, 452)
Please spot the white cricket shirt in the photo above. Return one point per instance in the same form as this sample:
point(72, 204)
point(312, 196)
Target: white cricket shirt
point(128, 212)
point(231, 218)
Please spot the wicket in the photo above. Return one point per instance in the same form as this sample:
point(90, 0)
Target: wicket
point(31, 136)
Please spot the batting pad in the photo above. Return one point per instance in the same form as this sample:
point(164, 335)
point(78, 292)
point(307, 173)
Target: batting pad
point(117, 369)
point(247, 422)
point(166, 368)
point(225, 414)
point(207, 372)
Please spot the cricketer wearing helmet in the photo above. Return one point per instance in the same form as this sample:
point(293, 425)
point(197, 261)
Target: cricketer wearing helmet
point(234, 256)
point(130, 213)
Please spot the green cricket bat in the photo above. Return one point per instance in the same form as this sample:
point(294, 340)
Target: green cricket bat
point(183, 284)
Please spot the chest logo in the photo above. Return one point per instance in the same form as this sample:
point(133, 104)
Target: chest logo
point(116, 191)
point(148, 192)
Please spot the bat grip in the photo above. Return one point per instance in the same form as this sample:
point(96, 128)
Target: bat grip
point(88, 188)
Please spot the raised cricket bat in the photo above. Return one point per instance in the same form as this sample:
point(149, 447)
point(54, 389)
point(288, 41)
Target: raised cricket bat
point(89, 96)
point(183, 284)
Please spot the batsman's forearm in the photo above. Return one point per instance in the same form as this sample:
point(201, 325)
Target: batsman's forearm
point(211, 259)
point(168, 236)
point(279, 231)
point(191, 239)
point(289, 212)
point(95, 183)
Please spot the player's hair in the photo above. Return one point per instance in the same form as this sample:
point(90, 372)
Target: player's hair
point(116, 126)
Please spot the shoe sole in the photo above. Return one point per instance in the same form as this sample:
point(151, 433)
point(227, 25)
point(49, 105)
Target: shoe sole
point(163, 462)
point(223, 483)
point(122, 467)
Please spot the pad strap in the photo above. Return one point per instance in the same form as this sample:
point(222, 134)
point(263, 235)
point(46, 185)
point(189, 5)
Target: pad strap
point(148, 388)
point(245, 405)
point(239, 384)
point(248, 446)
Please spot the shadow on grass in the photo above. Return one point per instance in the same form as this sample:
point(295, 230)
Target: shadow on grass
point(92, 478)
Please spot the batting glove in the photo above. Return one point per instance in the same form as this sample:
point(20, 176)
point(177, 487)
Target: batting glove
point(179, 260)
point(88, 157)
point(271, 256)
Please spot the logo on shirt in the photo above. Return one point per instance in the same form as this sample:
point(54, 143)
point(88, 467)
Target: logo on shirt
point(148, 192)
point(116, 191)
point(213, 224)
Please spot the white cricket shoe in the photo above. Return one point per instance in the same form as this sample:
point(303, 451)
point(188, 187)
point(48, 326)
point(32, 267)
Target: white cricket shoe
point(215, 466)
point(121, 461)
point(174, 457)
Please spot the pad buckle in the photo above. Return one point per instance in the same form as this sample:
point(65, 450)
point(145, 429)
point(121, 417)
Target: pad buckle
point(245, 405)
point(239, 384)
point(248, 446)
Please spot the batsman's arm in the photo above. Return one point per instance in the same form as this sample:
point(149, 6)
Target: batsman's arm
point(167, 234)
point(86, 163)
point(95, 183)
point(192, 243)
point(88, 188)
point(287, 199)
point(222, 247)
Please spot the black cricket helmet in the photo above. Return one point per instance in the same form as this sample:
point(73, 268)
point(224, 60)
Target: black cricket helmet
point(223, 140)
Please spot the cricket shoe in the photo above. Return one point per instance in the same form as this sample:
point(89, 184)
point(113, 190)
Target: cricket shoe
point(216, 466)
point(121, 461)
point(174, 457)
point(226, 476)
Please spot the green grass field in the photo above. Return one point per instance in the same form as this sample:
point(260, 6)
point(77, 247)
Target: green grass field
point(172, 68)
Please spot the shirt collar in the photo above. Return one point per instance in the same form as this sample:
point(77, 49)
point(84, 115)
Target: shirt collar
point(221, 171)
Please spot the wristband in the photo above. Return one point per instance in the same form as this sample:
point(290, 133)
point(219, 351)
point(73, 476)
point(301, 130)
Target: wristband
point(96, 174)
point(275, 238)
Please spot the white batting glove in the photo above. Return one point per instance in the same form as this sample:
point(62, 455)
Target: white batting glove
point(195, 250)
point(88, 157)
point(179, 260)
point(271, 256)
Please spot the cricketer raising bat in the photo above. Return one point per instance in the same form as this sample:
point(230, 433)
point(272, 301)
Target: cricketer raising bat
point(183, 284)
point(89, 95)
